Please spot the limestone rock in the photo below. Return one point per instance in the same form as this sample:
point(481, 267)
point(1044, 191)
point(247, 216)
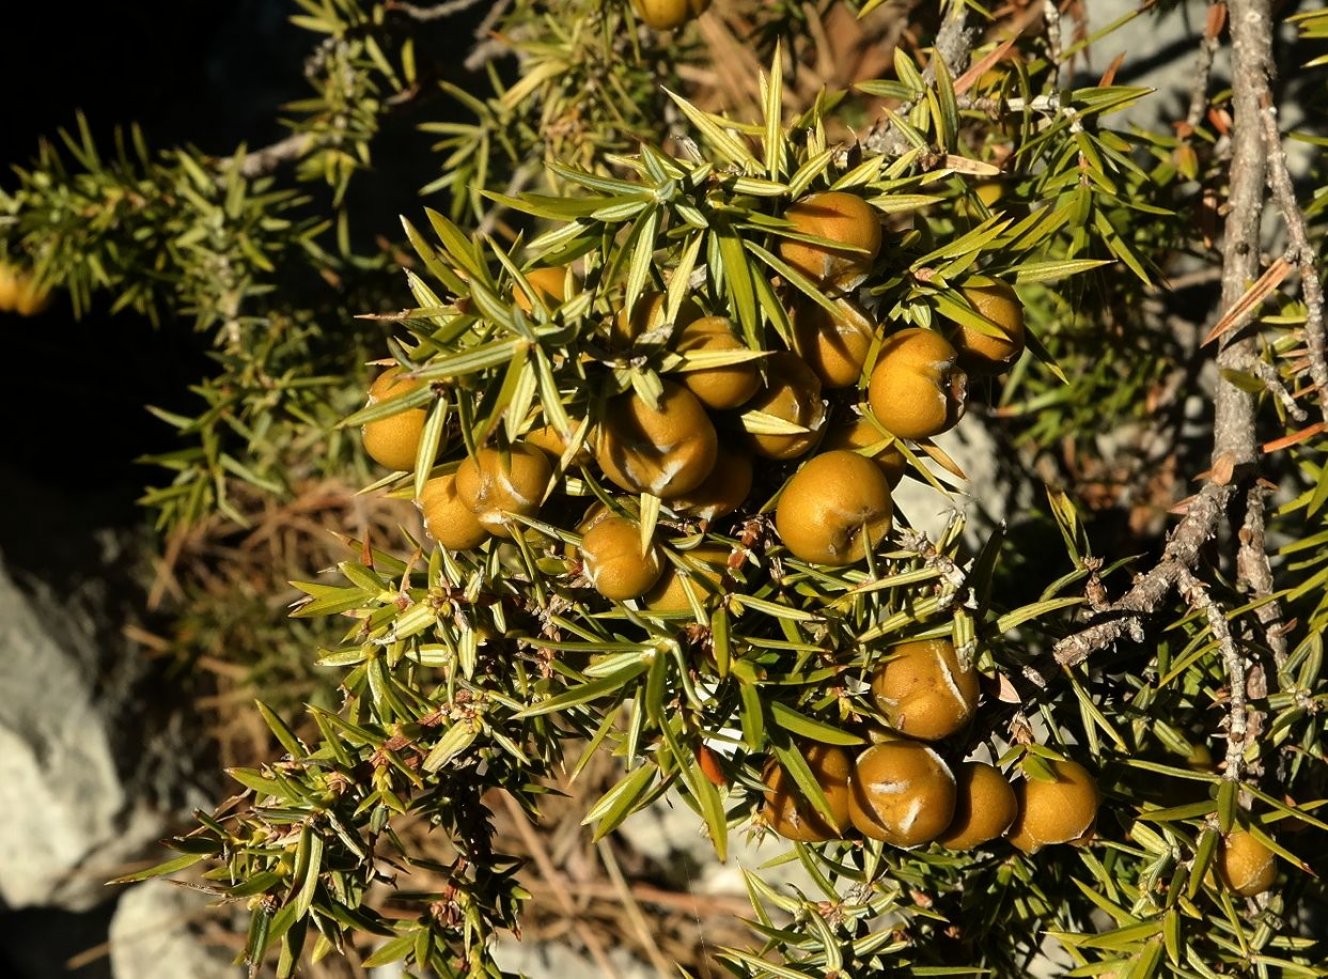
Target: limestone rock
point(68, 820)
point(987, 497)
point(154, 935)
point(554, 960)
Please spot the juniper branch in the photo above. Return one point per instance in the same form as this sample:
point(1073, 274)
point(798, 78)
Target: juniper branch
point(1198, 597)
point(435, 12)
point(1234, 448)
point(1272, 382)
point(954, 43)
point(1305, 256)
point(1254, 570)
point(1203, 68)
point(1051, 16)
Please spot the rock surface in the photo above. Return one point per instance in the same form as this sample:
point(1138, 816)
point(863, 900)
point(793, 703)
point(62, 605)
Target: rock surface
point(154, 936)
point(68, 819)
point(984, 500)
point(550, 959)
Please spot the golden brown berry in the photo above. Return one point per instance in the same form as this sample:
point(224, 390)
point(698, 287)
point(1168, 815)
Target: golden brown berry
point(835, 347)
point(667, 451)
point(834, 508)
point(394, 441)
point(1245, 865)
point(862, 434)
point(901, 792)
point(980, 353)
point(985, 807)
point(916, 389)
point(705, 562)
point(494, 487)
point(20, 291)
point(988, 191)
point(839, 217)
point(924, 691)
point(548, 438)
point(666, 15)
point(32, 298)
point(647, 316)
point(717, 387)
point(723, 491)
point(8, 287)
point(792, 394)
point(447, 518)
point(791, 815)
point(597, 512)
point(614, 561)
point(1055, 812)
point(551, 285)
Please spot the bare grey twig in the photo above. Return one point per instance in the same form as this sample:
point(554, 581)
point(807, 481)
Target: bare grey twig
point(1304, 254)
point(286, 150)
point(1272, 382)
point(489, 48)
point(1049, 106)
point(296, 146)
point(1253, 569)
point(1051, 15)
point(954, 43)
point(1046, 104)
point(1150, 589)
point(435, 12)
point(1203, 68)
point(1196, 594)
point(1234, 446)
point(1251, 52)
point(486, 51)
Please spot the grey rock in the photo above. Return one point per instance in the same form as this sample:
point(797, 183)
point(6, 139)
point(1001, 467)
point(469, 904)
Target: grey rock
point(666, 831)
point(68, 817)
point(1161, 50)
point(553, 960)
point(393, 970)
point(154, 935)
point(672, 835)
point(984, 500)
